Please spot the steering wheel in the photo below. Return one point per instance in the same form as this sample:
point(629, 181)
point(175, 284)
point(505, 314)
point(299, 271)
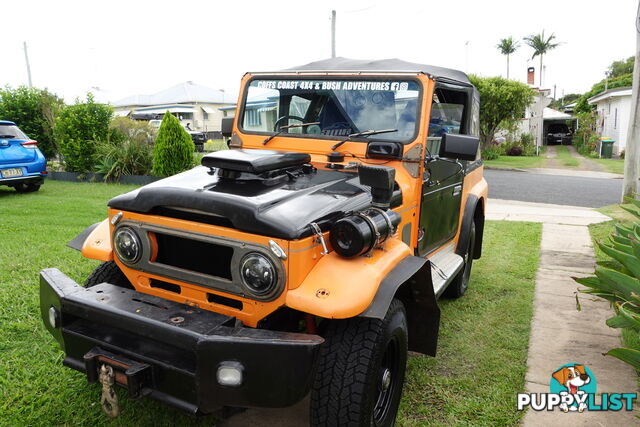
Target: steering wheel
point(275, 125)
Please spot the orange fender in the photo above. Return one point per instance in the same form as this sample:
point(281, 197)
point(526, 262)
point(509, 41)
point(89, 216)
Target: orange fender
point(339, 288)
point(98, 243)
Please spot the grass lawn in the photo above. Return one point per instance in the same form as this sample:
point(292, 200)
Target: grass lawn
point(565, 156)
point(611, 165)
point(599, 233)
point(480, 367)
point(517, 162)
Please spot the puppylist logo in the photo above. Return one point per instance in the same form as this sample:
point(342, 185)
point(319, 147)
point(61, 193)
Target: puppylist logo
point(573, 389)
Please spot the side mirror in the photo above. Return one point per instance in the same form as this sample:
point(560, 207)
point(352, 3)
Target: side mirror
point(460, 147)
point(226, 126)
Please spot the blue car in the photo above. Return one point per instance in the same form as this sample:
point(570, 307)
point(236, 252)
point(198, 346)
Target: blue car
point(22, 165)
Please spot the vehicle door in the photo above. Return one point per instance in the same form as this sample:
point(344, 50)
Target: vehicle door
point(443, 178)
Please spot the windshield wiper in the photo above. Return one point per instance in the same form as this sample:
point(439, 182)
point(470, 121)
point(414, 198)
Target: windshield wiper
point(283, 128)
point(365, 133)
point(7, 136)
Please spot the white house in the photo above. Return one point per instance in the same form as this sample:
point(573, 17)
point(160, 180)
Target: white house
point(195, 105)
point(614, 109)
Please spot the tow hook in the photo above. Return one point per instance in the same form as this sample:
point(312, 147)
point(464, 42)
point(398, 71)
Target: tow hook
point(109, 399)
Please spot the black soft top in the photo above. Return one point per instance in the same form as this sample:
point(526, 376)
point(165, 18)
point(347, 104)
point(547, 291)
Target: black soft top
point(386, 65)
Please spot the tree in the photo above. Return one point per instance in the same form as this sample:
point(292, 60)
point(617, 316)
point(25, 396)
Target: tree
point(174, 148)
point(619, 68)
point(582, 104)
point(34, 111)
point(541, 46)
point(79, 129)
point(502, 102)
point(507, 47)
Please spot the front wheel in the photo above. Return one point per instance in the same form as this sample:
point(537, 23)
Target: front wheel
point(361, 371)
point(108, 272)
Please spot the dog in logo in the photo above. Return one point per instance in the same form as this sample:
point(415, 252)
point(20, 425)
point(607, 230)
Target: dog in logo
point(572, 377)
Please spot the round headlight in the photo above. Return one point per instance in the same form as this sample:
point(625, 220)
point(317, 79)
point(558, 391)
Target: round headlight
point(258, 274)
point(127, 245)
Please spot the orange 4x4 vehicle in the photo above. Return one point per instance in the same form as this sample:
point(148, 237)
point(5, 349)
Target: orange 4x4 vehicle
point(308, 258)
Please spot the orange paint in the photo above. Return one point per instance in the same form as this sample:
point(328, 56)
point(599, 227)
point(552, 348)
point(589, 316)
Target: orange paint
point(98, 243)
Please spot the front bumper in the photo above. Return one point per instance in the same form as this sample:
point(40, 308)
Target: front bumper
point(171, 351)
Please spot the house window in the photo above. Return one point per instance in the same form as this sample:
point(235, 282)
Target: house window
point(205, 115)
point(252, 117)
point(615, 119)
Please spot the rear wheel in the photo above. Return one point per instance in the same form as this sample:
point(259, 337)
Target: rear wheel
point(459, 285)
point(361, 371)
point(108, 272)
point(26, 188)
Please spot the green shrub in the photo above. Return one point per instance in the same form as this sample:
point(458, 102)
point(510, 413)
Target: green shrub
point(492, 152)
point(79, 130)
point(618, 281)
point(526, 139)
point(173, 152)
point(34, 111)
point(216, 145)
point(128, 149)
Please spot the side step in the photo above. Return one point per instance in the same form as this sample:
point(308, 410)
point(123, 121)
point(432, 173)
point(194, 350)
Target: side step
point(445, 265)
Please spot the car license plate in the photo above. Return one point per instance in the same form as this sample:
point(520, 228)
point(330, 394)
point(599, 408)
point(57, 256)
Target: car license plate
point(10, 173)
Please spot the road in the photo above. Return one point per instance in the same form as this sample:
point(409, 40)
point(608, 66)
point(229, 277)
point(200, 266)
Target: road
point(554, 189)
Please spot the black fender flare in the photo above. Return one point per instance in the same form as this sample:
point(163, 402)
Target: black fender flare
point(410, 281)
point(467, 220)
point(79, 240)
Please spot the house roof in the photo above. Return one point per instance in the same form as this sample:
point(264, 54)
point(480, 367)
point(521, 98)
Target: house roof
point(179, 94)
point(384, 65)
point(611, 93)
point(551, 114)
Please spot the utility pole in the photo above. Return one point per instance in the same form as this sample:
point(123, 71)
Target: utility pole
point(333, 33)
point(632, 150)
point(26, 58)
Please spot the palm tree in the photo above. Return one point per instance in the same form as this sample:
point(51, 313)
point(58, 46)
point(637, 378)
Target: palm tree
point(541, 46)
point(507, 47)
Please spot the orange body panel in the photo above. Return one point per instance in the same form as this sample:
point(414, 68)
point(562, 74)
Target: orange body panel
point(339, 288)
point(98, 243)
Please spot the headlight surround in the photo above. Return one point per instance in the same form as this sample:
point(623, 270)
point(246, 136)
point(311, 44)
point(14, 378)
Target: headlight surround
point(259, 275)
point(127, 245)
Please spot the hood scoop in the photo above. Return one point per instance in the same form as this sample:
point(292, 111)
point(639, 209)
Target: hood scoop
point(254, 161)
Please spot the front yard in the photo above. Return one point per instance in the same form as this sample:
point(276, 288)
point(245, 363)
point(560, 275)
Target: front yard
point(483, 344)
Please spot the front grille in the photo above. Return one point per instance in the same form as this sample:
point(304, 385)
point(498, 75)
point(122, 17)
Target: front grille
point(194, 255)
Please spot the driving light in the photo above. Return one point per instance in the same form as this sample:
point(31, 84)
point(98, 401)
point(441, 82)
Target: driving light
point(359, 233)
point(54, 317)
point(229, 374)
point(258, 274)
point(127, 245)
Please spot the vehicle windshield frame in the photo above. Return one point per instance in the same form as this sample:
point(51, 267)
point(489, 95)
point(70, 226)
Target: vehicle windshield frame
point(333, 77)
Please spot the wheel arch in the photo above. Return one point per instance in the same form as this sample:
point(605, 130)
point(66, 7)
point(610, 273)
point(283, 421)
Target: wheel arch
point(94, 242)
point(474, 212)
point(410, 282)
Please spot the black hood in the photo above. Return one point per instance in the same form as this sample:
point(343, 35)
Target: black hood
point(282, 209)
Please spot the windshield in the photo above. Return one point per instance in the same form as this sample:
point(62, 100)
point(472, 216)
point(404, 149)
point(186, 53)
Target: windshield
point(11, 131)
point(333, 108)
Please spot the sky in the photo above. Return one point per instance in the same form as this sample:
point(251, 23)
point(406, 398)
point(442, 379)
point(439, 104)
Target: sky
point(119, 48)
